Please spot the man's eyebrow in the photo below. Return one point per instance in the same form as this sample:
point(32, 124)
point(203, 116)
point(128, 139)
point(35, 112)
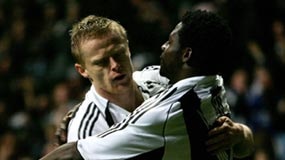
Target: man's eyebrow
point(118, 48)
point(114, 51)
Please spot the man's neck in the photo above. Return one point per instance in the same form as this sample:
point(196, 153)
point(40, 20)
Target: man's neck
point(129, 99)
point(187, 72)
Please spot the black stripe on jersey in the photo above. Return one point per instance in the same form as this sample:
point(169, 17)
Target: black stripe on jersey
point(108, 115)
point(152, 155)
point(94, 121)
point(165, 97)
point(217, 101)
point(169, 94)
point(85, 130)
point(134, 116)
point(196, 128)
point(82, 121)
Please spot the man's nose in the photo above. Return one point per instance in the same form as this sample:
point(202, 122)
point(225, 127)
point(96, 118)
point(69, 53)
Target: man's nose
point(114, 64)
point(163, 47)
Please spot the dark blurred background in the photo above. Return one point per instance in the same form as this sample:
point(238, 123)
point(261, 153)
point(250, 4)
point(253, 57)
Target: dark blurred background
point(38, 82)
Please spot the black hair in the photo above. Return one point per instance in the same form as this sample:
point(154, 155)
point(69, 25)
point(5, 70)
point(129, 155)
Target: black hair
point(209, 37)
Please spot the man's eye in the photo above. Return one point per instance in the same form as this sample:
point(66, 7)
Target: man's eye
point(102, 62)
point(118, 56)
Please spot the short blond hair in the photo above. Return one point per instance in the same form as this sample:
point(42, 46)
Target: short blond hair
point(92, 27)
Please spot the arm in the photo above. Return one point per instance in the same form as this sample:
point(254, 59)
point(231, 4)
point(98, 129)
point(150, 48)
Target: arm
point(230, 134)
point(67, 151)
point(246, 146)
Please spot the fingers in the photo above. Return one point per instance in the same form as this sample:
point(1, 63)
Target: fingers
point(222, 136)
point(214, 140)
point(221, 120)
point(214, 131)
point(218, 147)
point(222, 124)
point(218, 143)
point(61, 137)
point(224, 119)
point(222, 145)
point(61, 134)
point(61, 131)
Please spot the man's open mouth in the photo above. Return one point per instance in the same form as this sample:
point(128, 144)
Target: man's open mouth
point(120, 77)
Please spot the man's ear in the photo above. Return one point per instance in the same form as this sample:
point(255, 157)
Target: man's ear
point(81, 70)
point(186, 54)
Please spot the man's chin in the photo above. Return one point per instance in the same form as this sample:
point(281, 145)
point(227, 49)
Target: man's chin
point(162, 73)
point(121, 89)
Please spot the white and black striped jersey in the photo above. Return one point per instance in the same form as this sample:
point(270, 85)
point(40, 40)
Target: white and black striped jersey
point(96, 114)
point(171, 125)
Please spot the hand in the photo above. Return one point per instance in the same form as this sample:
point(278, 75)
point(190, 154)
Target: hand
point(61, 131)
point(229, 134)
point(224, 136)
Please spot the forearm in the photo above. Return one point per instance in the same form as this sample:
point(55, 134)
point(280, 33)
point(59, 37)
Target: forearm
point(67, 151)
point(246, 146)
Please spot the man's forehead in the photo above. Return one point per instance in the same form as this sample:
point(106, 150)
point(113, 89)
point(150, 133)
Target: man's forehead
point(102, 42)
point(176, 29)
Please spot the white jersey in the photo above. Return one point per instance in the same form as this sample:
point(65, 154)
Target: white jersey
point(96, 114)
point(171, 125)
